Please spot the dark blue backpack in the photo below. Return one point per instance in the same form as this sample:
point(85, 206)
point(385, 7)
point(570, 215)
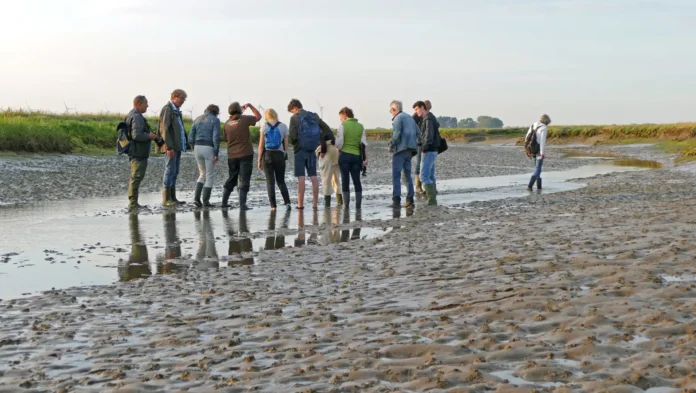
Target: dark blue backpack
point(271, 137)
point(123, 143)
point(310, 133)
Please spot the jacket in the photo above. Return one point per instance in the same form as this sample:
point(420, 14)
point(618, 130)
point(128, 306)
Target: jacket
point(294, 136)
point(170, 129)
point(430, 134)
point(140, 135)
point(405, 135)
point(206, 131)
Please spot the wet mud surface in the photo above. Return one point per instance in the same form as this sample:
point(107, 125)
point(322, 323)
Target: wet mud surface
point(587, 290)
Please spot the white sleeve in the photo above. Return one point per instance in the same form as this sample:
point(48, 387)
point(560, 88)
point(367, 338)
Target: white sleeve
point(542, 140)
point(363, 139)
point(339, 137)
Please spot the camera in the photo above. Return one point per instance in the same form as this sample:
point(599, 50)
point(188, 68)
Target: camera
point(159, 141)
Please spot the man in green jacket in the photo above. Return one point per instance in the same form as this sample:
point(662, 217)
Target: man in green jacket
point(171, 129)
point(139, 151)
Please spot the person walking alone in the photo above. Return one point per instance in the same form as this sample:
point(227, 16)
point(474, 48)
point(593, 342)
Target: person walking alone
point(139, 151)
point(273, 147)
point(240, 152)
point(404, 145)
point(205, 138)
point(350, 135)
point(171, 129)
point(538, 131)
point(430, 143)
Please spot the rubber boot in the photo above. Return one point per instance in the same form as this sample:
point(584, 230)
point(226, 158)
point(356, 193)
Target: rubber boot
point(396, 203)
point(243, 200)
point(225, 198)
point(431, 195)
point(346, 199)
point(531, 183)
point(206, 196)
point(419, 185)
point(339, 199)
point(538, 183)
point(409, 203)
point(197, 195)
point(358, 200)
point(167, 198)
point(327, 201)
point(173, 196)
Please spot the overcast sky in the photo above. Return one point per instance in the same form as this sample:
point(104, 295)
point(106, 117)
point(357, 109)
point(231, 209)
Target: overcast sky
point(580, 61)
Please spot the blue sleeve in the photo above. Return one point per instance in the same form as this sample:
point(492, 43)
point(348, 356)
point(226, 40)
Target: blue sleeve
point(192, 134)
point(217, 129)
point(396, 135)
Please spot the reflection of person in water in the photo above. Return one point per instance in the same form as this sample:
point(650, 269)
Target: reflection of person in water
point(172, 247)
point(346, 232)
point(273, 241)
point(300, 239)
point(332, 235)
point(240, 242)
point(207, 254)
point(137, 265)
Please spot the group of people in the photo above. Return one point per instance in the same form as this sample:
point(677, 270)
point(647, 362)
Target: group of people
point(314, 144)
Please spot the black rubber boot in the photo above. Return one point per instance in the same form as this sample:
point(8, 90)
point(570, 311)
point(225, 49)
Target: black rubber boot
point(206, 196)
point(172, 194)
point(225, 198)
point(539, 183)
point(197, 195)
point(396, 203)
point(243, 200)
point(346, 199)
point(327, 201)
point(531, 183)
point(358, 200)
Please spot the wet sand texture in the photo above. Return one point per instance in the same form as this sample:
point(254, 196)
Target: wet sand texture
point(591, 290)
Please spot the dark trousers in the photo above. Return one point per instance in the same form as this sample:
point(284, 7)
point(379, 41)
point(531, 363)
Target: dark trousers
point(350, 165)
point(274, 168)
point(138, 166)
point(240, 172)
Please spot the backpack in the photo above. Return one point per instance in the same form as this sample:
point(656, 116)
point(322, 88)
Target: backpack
point(271, 137)
point(531, 145)
point(309, 132)
point(123, 143)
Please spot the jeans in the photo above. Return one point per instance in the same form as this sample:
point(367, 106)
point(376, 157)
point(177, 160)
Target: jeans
point(137, 174)
point(305, 160)
point(274, 168)
point(350, 165)
point(427, 172)
point(401, 161)
point(418, 161)
point(239, 172)
point(171, 169)
point(537, 170)
point(204, 157)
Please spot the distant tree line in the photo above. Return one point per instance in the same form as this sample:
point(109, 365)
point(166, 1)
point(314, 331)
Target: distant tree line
point(480, 122)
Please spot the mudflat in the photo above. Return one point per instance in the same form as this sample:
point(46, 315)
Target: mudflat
point(589, 290)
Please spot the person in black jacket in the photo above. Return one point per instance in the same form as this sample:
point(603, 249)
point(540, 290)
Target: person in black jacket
point(139, 152)
point(429, 143)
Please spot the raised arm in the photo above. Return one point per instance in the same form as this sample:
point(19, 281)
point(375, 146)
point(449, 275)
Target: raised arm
point(255, 111)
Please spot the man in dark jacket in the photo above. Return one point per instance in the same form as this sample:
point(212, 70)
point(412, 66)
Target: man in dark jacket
point(306, 160)
point(429, 143)
point(171, 129)
point(139, 152)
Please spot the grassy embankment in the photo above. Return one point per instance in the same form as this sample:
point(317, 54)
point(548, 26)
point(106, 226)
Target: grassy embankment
point(40, 132)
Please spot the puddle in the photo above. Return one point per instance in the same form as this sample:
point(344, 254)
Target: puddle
point(639, 340)
point(637, 163)
point(683, 278)
point(513, 380)
point(662, 390)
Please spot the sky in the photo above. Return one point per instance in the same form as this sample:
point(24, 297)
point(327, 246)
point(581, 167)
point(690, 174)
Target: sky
point(580, 61)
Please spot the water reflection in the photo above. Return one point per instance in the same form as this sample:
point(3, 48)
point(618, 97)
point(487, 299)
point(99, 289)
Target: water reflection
point(172, 247)
point(273, 240)
point(207, 253)
point(345, 234)
point(137, 265)
point(238, 243)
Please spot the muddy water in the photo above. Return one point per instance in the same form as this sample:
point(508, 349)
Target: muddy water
point(94, 241)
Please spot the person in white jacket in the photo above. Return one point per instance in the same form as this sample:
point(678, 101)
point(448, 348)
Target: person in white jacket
point(540, 128)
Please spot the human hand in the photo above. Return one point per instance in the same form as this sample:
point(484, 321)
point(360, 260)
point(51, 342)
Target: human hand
point(542, 156)
point(215, 160)
point(152, 137)
point(364, 163)
point(259, 165)
point(170, 153)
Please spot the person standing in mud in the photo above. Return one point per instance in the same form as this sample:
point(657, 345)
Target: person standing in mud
point(404, 144)
point(240, 152)
point(419, 120)
point(350, 135)
point(139, 152)
point(171, 129)
point(272, 156)
point(330, 171)
point(540, 129)
point(430, 143)
point(205, 139)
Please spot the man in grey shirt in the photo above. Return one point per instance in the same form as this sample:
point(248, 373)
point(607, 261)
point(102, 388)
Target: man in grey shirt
point(139, 151)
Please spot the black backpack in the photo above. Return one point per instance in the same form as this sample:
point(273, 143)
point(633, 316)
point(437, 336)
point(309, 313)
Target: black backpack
point(123, 143)
point(531, 145)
